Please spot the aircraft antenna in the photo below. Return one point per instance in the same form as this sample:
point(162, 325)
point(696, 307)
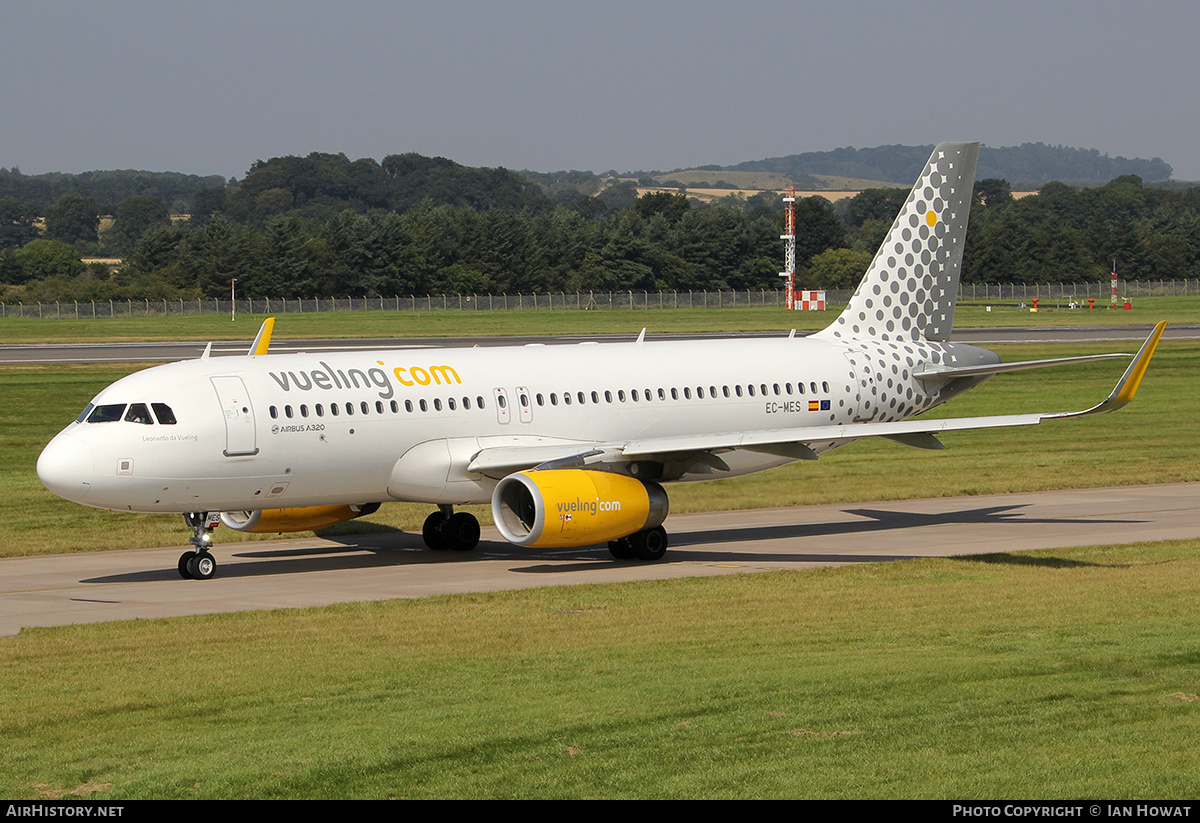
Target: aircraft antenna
point(789, 246)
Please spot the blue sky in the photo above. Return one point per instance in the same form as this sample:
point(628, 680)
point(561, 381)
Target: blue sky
point(210, 87)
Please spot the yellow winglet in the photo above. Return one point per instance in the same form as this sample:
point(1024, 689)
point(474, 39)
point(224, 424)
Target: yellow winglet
point(1128, 385)
point(263, 341)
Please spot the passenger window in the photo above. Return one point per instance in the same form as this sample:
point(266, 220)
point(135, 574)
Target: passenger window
point(320, 410)
point(303, 410)
point(163, 412)
point(107, 414)
point(333, 409)
point(138, 413)
point(287, 412)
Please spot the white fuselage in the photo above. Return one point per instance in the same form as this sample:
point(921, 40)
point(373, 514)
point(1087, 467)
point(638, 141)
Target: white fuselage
point(293, 430)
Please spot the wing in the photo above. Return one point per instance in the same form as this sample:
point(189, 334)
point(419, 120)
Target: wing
point(699, 451)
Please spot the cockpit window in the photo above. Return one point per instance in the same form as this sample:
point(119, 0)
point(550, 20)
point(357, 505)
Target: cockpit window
point(106, 414)
point(83, 415)
point(138, 413)
point(164, 414)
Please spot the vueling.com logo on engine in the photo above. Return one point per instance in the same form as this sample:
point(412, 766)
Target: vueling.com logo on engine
point(581, 506)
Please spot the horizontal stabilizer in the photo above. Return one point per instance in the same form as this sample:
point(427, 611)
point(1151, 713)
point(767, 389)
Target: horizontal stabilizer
point(948, 372)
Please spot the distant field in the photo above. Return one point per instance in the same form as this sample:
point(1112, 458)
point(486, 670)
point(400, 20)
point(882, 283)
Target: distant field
point(970, 314)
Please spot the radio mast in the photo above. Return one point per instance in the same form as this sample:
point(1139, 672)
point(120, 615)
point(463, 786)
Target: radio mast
point(789, 246)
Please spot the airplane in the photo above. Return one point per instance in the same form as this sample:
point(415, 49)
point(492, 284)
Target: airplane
point(571, 444)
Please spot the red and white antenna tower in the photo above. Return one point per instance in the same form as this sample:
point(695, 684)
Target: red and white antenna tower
point(789, 245)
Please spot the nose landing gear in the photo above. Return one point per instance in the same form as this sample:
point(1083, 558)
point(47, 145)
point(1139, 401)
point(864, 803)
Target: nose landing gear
point(199, 564)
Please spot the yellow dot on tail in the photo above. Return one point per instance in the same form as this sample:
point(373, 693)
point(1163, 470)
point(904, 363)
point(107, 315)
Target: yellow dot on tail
point(931, 218)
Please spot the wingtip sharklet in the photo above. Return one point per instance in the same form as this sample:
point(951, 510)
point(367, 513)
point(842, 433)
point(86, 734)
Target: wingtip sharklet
point(1128, 385)
point(1123, 393)
point(262, 340)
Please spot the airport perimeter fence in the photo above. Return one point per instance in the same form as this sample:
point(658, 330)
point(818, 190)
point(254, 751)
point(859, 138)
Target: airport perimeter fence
point(1062, 294)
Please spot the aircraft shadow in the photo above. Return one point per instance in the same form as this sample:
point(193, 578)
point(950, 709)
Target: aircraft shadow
point(385, 549)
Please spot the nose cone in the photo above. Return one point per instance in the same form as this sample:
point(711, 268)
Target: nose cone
point(66, 467)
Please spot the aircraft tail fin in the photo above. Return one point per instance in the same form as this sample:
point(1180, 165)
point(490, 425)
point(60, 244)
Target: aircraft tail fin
point(910, 288)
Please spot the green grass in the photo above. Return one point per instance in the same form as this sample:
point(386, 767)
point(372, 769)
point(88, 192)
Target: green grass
point(1151, 441)
point(567, 322)
point(1054, 674)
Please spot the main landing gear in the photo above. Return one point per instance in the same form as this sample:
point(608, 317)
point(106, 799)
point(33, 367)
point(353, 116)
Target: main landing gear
point(446, 529)
point(199, 564)
point(650, 544)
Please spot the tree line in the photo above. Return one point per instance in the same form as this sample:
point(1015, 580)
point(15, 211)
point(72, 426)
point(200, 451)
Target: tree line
point(325, 226)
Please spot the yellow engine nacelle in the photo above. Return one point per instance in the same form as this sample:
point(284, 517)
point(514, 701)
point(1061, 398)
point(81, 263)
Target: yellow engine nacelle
point(265, 521)
point(574, 507)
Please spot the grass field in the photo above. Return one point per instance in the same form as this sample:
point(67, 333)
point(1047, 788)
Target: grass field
point(1062, 674)
point(1150, 310)
point(1069, 673)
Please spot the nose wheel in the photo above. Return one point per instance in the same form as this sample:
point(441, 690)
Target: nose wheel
point(199, 564)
